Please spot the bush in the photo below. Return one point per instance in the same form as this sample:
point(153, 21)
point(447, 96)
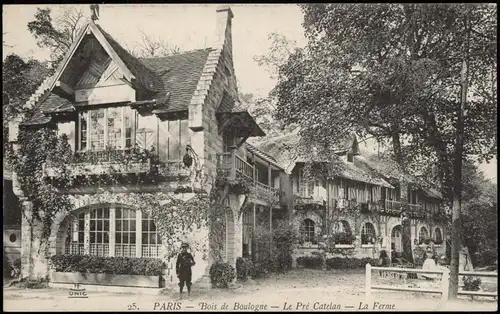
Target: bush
point(472, 283)
point(221, 274)
point(314, 261)
point(274, 249)
point(107, 265)
point(11, 269)
point(244, 268)
point(7, 267)
point(349, 263)
point(16, 269)
point(344, 238)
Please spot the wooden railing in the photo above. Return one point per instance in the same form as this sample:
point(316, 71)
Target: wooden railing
point(396, 205)
point(124, 161)
point(243, 167)
point(396, 274)
point(225, 162)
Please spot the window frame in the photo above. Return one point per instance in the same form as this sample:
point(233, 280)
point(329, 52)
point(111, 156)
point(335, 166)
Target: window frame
point(363, 232)
point(420, 238)
point(84, 248)
point(308, 233)
point(123, 140)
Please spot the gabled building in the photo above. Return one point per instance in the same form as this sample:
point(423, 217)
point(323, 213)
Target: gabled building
point(110, 103)
point(362, 204)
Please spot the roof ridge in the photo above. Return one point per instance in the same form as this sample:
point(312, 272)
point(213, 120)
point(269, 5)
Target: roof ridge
point(181, 53)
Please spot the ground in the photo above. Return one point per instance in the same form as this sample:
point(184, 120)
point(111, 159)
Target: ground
point(298, 290)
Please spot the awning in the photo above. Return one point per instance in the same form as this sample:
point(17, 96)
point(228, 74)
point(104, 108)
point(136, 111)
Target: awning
point(243, 120)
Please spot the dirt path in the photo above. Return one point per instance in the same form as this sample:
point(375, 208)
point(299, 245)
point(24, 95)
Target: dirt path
point(298, 290)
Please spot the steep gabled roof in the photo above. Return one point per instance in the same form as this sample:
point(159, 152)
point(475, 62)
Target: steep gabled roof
point(179, 75)
point(145, 76)
point(176, 76)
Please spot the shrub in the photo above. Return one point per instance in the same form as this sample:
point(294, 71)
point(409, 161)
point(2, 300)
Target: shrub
point(16, 268)
point(275, 249)
point(221, 274)
point(314, 261)
point(7, 267)
point(472, 283)
point(107, 265)
point(348, 263)
point(344, 238)
point(244, 268)
point(11, 269)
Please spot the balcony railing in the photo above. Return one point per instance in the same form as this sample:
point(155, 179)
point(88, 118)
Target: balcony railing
point(398, 205)
point(225, 162)
point(130, 161)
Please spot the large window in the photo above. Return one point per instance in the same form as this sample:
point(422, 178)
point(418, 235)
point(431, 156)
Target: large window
point(308, 230)
point(97, 224)
point(123, 128)
point(105, 127)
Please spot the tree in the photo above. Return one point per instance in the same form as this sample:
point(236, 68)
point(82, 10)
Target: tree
point(480, 216)
point(3, 41)
point(59, 36)
point(152, 47)
point(400, 73)
point(20, 79)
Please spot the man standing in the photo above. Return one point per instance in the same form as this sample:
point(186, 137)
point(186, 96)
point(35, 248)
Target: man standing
point(183, 268)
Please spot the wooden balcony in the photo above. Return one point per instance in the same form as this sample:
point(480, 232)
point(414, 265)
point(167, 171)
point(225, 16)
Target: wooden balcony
point(231, 165)
point(123, 162)
point(398, 205)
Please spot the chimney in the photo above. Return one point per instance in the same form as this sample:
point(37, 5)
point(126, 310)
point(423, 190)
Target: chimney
point(223, 29)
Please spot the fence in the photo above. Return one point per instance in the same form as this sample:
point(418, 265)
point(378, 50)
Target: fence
point(443, 289)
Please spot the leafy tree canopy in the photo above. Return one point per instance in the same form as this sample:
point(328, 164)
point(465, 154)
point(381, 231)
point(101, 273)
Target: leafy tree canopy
point(393, 71)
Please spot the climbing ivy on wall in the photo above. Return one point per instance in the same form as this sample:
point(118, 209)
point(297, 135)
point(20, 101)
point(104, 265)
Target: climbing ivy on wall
point(35, 146)
point(173, 216)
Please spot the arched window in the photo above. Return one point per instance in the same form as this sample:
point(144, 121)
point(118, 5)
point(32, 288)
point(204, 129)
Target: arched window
point(367, 233)
point(308, 230)
point(341, 226)
point(438, 236)
point(96, 225)
point(342, 233)
point(422, 235)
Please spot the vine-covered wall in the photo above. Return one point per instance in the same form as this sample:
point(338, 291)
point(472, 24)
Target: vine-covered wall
point(45, 204)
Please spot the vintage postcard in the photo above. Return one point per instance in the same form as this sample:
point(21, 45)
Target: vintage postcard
point(250, 157)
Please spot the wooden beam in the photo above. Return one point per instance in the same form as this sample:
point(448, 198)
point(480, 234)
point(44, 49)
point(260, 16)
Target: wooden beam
point(242, 141)
point(112, 53)
point(253, 251)
point(269, 174)
point(65, 87)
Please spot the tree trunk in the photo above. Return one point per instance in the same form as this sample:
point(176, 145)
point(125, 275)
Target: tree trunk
point(396, 145)
point(455, 248)
point(456, 234)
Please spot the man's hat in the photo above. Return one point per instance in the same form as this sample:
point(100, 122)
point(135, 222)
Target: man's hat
point(184, 245)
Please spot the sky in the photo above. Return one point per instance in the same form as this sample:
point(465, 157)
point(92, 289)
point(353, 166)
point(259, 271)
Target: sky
point(188, 26)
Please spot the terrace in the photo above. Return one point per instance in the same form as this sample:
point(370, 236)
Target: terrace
point(263, 179)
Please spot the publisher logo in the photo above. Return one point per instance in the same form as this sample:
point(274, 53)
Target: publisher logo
point(77, 292)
